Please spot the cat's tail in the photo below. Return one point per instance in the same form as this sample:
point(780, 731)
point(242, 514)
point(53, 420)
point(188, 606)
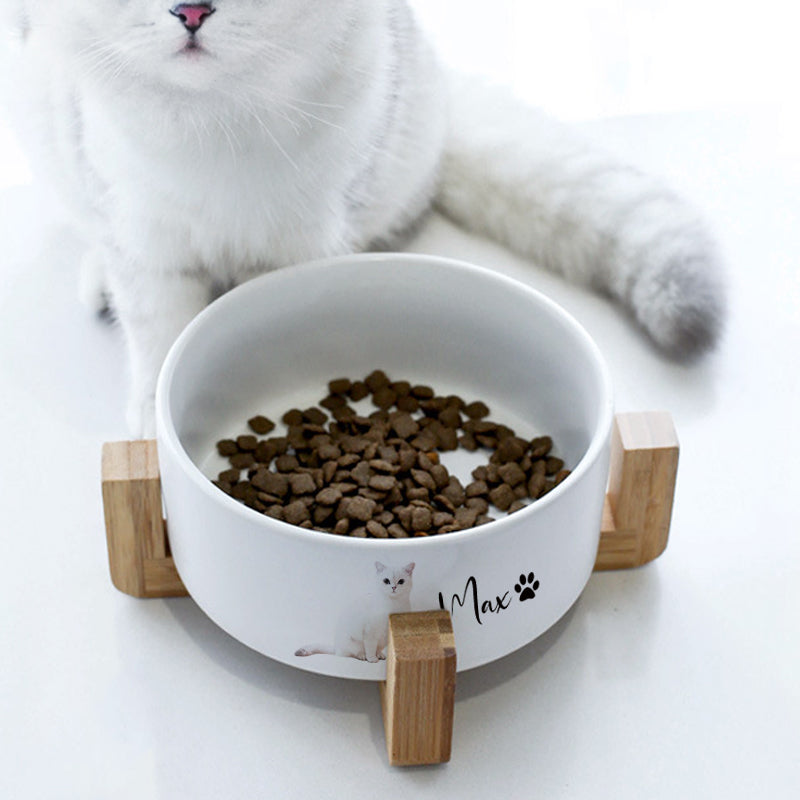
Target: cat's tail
point(527, 181)
point(315, 649)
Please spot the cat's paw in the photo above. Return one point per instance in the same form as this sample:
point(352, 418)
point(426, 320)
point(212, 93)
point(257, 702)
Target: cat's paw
point(373, 659)
point(141, 417)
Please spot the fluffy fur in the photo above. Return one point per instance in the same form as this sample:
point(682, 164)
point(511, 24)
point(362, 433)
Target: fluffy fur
point(296, 129)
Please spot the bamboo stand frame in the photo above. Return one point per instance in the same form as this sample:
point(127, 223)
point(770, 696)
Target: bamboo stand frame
point(418, 695)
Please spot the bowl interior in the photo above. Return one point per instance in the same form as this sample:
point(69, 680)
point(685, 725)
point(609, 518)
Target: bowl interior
point(275, 342)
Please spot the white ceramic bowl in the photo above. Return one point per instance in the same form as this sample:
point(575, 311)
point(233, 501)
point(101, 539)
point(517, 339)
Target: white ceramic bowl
point(274, 343)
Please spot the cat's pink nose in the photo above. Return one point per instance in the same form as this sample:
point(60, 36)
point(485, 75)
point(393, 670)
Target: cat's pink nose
point(192, 15)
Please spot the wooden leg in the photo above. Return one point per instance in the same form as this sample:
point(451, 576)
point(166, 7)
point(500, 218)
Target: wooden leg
point(418, 696)
point(138, 550)
point(641, 488)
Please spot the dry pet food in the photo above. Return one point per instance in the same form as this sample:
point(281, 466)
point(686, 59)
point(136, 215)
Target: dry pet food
point(380, 475)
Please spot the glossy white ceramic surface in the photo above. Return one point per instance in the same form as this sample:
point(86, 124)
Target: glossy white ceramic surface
point(275, 342)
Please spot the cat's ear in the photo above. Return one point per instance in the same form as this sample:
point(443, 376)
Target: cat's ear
point(380, 567)
point(409, 568)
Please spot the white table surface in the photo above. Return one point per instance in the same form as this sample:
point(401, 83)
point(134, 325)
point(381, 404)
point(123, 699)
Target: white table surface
point(676, 680)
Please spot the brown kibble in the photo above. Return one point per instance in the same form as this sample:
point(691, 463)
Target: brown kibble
point(450, 417)
point(296, 512)
point(553, 465)
point(493, 474)
point(379, 474)
point(381, 465)
point(447, 439)
point(454, 491)
point(269, 499)
point(541, 446)
point(404, 425)
point(361, 473)
point(421, 518)
point(321, 514)
point(376, 380)
point(358, 391)
point(423, 478)
point(442, 518)
point(467, 441)
point(333, 402)
point(382, 483)
point(400, 388)
point(339, 386)
point(397, 531)
point(444, 502)
point(440, 475)
point(328, 496)
point(315, 416)
point(477, 489)
point(261, 425)
point(537, 485)
point(377, 530)
point(422, 392)
point(227, 447)
point(479, 503)
point(418, 493)
point(294, 416)
point(538, 467)
point(511, 448)
point(476, 410)
point(502, 496)
point(329, 452)
point(407, 403)
point(286, 463)
point(465, 517)
point(345, 487)
point(344, 412)
point(360, 508)
point(302, 483)
point(480, 473)
point(560, 476)
point(384, 398)
point(329, 469)
point(272, 482)
point(242, 460)
point(511, 473)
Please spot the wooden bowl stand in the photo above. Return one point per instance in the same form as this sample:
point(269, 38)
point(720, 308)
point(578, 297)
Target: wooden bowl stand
point(418, 696)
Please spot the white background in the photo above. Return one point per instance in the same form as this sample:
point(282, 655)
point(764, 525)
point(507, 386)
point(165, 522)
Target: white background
point(679, 679)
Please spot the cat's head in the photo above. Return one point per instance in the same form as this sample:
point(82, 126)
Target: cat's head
point(394, 581)
point(193, 46)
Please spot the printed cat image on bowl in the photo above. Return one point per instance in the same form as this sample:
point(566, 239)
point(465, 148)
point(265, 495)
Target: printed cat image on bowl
point(320, 601)
point(361, 631)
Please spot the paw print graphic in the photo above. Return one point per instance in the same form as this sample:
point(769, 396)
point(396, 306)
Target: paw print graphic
point(527, 586)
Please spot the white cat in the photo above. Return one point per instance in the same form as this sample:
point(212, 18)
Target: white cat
point(363, 629)
point(203, 143)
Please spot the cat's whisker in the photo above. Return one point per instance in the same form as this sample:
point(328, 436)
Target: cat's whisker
point(313, 117)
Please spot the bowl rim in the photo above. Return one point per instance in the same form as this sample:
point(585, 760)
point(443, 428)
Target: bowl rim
point(167, 436)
